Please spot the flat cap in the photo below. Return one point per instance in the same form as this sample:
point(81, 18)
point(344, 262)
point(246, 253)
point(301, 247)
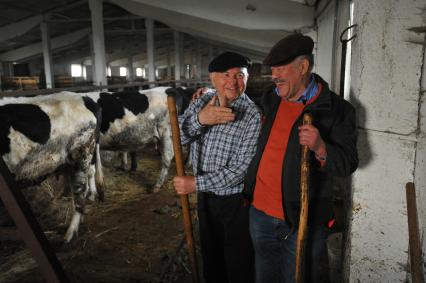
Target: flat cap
point(228, 60)
point(288, 48)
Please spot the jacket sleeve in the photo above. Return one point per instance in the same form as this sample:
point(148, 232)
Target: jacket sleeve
point(342, 156)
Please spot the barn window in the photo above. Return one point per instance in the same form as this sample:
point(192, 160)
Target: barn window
point(123, 71)
point(76, 70)
point(139, 72)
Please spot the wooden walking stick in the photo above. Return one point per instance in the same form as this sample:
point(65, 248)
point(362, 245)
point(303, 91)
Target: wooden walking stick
point(304, 206)
point(171, 103)
point(416, 263)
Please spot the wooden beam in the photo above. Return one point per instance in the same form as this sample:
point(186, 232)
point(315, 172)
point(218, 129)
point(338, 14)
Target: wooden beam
point(28, 227)
point(9, 234)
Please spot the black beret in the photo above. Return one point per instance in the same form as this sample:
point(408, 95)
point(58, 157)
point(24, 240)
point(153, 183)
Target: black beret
point(288, 48)
point(228, 60)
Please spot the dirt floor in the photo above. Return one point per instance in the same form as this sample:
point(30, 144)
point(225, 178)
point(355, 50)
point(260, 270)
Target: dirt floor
point(133, 236)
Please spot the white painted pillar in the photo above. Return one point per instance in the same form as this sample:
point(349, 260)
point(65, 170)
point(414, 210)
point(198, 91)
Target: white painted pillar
point(182, 55)
point(96, 9)
point(210, 53)
point(149, 24)
point(47, 55)
point(198, 60)
point(130, 70)
point(325, 48)
point(385, 86)
point(169, 66)
point(92, 59)
point(178, 62)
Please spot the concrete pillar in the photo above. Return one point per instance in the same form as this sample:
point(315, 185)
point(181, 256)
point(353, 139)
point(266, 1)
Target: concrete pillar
point(210, 52)
point(92, 59)
point(169, 65)
point(98, 42)
point(387, 59)
point(325, 51)
point(178, 62)
point(47, 55)
point(149, 24)
point(198, 60)
point(130, 70)
point(183, 61)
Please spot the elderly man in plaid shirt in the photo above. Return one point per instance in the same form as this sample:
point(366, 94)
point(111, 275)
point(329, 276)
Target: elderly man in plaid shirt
point(222, 127)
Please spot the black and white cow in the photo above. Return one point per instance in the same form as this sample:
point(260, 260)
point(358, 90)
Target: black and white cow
point(42, 135)
point(132, 119)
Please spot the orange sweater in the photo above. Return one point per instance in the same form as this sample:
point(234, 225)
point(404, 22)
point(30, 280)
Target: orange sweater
point(267, 194)
point(268, 191)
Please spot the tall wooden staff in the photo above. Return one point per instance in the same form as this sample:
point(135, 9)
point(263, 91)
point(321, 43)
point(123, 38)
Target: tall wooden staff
point(171, 103)
point(304, 206)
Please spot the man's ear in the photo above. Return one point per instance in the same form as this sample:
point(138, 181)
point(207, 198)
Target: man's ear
point(304, 66)
point(211, 77)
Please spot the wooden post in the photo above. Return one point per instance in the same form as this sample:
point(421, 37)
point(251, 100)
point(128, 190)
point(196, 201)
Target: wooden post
point(304, 206)
point(184, 198)
point(28, 228)
point(416, 262)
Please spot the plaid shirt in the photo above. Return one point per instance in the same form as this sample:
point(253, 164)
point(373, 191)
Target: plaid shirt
point(221, 153)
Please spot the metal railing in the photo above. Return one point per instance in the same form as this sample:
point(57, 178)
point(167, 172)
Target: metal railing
point(171, 83)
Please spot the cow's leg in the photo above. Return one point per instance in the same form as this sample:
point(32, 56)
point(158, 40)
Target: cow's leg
point(133, 161)
point(123, 160)
point(67, 183)
point(79, 187)
point(166, 159)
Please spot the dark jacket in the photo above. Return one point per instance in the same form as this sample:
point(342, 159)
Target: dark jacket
point(335, 119)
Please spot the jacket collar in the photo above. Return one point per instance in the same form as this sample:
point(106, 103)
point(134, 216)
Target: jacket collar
point(322, 103)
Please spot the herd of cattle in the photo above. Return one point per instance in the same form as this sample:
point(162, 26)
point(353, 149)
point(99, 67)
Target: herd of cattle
point(63, 132)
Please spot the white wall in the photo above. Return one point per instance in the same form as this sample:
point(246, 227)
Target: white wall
point(420, 169)
point(385, 87)
point(325, 43)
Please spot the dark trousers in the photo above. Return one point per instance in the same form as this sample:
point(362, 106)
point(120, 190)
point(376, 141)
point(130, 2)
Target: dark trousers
point(226, 246)
point(275, 251)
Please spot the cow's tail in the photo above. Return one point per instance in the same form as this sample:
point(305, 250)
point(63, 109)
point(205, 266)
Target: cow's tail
point(99, 176)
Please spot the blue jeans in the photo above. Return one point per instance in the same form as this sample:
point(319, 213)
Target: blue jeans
point(275, 250)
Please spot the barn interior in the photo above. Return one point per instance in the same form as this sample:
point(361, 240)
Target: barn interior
point(379, 65)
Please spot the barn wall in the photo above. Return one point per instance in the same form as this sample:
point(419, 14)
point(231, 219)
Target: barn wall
point(325, 43)
point(386, 74)
point(420, 170)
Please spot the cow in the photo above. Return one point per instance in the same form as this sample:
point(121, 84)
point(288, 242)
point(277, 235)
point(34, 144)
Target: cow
point(43, 135)
point(132, 119)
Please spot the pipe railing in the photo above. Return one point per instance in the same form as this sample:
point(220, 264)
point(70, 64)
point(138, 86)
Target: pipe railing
point(103, 87)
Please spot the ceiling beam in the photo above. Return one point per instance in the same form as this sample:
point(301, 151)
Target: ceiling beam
point(36, 48)
point(260, 40)
point(106, 19)
point(14, 30)
point(258, 15)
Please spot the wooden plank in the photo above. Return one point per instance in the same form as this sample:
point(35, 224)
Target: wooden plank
point(28, 227)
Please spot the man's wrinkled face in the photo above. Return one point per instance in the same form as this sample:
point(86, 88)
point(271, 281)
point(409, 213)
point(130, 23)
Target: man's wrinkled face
point(289, 79)
point(230, 84)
